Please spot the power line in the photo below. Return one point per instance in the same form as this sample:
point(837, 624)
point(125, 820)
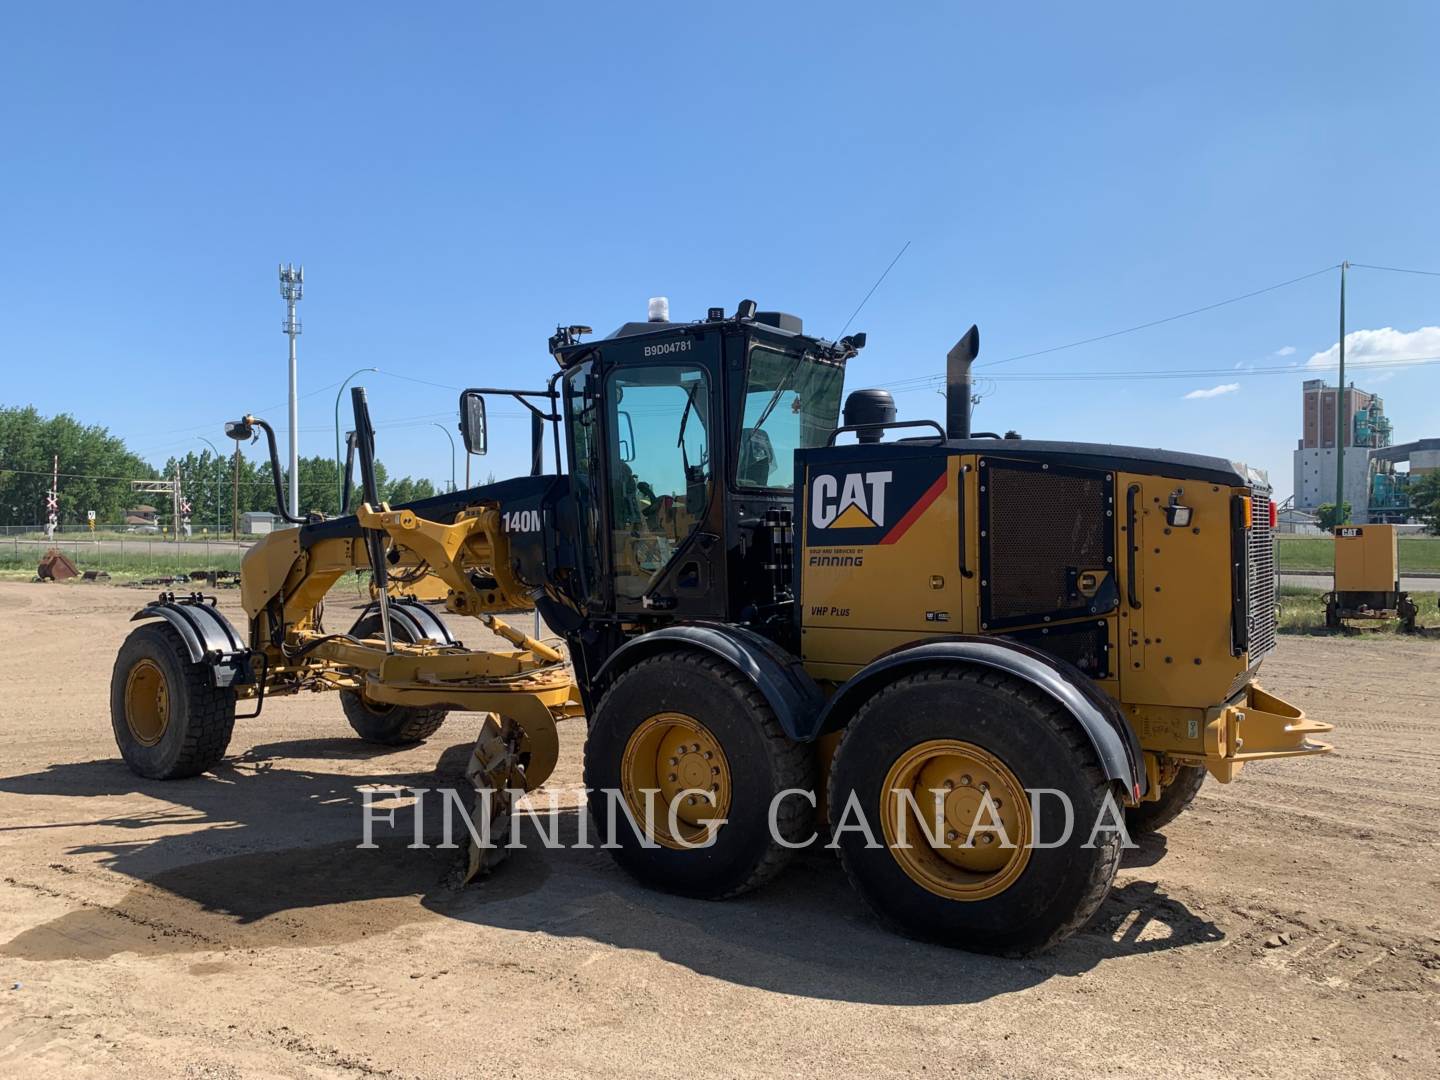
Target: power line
point(1394, 270)
point(931, 382)
point(1161, 322)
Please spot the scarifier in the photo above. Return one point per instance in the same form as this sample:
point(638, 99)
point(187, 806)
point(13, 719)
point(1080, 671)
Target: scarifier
point(925, 632)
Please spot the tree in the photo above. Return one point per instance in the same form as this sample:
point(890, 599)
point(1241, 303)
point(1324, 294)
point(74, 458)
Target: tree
point(1425, 499)
point(96, 469)
point(1327, 516)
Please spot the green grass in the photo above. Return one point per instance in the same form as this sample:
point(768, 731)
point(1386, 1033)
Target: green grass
point(161, 561)
point(1302, 612)
point(1418, 554)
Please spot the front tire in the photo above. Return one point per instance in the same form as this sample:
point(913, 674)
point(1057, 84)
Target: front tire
point(169, 720)
point(683, 722)
point(964, 734)
point(388, 725)
point(1175, 799)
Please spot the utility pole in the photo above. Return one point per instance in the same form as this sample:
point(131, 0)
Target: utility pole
point(1340, 515)
point(235, 498)
point(292, 288)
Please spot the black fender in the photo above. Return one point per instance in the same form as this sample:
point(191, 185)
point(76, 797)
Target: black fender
point(208, 635)
point(1115, 742)
point(416, 619)
point(790, 692)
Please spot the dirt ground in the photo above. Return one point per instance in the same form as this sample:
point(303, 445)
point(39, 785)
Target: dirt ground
point(227, 926)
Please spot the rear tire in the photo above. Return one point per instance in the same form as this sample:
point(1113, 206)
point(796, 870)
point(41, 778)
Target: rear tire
point(1174, 800)
point(710, 706)
point(168, 718)
point(983, 899)
point(388, 725)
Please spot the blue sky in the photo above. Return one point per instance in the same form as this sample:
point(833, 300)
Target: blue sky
point(458, 178)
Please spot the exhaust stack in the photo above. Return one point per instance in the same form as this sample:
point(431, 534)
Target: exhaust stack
point(957, 384)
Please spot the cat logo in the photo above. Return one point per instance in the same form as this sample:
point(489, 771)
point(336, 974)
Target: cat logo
point(851, 501)
point(876, 506)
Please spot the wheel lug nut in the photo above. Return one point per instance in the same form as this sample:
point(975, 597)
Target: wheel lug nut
point(708, 755)
point(949, 785)
point(952, 836)
point(672, 778)
point(984, 786)
point(715, 770)
point(987, 839)
point(998, 804)
point(965, 780)
point(674, 761)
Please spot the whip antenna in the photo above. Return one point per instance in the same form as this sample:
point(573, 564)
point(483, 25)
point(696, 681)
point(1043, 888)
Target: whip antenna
point(871, 293)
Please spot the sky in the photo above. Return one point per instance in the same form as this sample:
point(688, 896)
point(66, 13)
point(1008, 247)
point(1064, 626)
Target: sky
point(459, 178)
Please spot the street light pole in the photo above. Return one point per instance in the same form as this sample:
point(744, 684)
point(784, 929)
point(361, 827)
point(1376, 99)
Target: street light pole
point(445, 429)
point(219, 479)
point(340, 465)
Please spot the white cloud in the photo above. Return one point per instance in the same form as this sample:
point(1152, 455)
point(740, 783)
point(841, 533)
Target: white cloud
point(1384, 346)
point(1287, 350)
point(1214, 391)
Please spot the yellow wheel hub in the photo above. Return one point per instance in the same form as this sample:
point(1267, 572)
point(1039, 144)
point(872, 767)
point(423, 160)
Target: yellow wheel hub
point(674, 766)
point(957, 843)
point(147, 702)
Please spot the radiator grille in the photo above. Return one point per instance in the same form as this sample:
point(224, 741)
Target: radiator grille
point(1260, 576)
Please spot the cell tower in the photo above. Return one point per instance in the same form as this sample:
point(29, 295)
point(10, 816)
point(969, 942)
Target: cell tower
point(292, 288)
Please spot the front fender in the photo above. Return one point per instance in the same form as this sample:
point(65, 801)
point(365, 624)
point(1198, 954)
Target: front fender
point(786, 687)
point(208, 635)
point(1115, 742)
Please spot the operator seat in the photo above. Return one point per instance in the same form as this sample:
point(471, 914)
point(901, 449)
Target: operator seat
point(757, 457)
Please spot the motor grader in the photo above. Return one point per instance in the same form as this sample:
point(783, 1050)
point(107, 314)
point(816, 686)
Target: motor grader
point(953, 648)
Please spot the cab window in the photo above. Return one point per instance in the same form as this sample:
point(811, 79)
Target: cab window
point(792, 401)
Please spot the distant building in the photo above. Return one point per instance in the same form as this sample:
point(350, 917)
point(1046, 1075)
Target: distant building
point(141, 515)
point(257, 522)
point(1374, 487)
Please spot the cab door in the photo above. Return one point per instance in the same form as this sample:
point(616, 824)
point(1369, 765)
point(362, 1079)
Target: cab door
point(646, 454)
point(661, 422)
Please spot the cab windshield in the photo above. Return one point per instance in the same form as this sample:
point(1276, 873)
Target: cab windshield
point(792, 401)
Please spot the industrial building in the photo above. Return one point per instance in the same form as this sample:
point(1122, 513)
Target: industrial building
point(1377, 472)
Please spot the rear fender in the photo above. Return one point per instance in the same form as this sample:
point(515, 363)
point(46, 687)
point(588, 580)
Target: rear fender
point(1115, 742)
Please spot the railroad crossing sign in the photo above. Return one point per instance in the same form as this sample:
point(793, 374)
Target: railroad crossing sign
point(52, 502)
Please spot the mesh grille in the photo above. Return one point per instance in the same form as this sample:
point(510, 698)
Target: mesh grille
point(1042, 526)
point(1086, 645)
point(1260, 580)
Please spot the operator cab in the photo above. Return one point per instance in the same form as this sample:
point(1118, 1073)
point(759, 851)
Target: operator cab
point(681, 440)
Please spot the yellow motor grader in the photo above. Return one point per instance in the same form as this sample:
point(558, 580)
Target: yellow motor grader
point(956, 649)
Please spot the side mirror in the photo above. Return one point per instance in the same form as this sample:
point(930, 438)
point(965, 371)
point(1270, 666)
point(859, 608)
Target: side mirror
point(472, 421)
